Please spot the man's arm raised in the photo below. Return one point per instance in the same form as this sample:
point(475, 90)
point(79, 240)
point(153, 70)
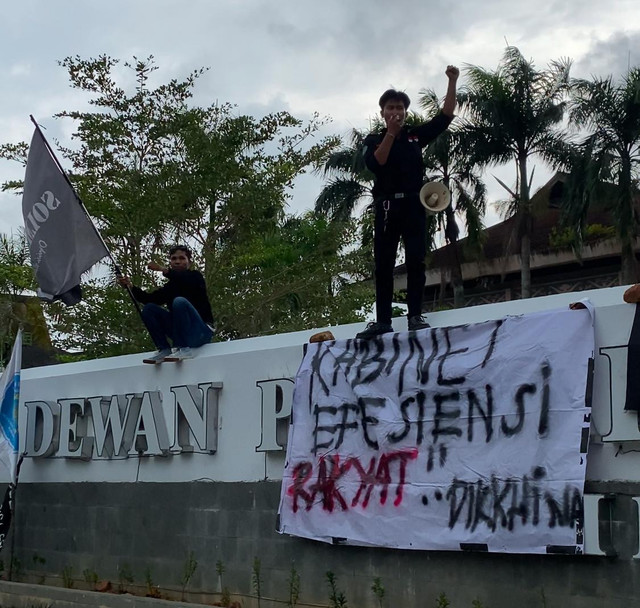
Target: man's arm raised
point(449, 106)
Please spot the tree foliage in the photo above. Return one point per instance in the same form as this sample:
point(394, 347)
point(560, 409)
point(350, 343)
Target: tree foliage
point(515, 112)
point(306, 273)
point(608, 155)
point(153, 169)
point(16, 285)
point(349, 182)
point(450, 159)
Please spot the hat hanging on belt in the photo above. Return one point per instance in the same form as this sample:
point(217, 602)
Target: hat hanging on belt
point(435, 197)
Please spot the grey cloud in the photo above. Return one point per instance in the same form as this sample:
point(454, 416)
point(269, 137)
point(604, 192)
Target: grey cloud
point(357, 35)
point(334, 57)
point(611, 56)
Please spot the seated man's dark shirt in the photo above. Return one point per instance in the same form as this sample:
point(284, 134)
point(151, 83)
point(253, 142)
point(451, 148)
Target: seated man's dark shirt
point(187, 284)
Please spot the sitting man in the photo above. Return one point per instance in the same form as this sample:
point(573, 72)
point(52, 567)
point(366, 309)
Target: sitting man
point(187, 320)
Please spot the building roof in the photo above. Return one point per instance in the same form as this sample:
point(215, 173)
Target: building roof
point(501, 239)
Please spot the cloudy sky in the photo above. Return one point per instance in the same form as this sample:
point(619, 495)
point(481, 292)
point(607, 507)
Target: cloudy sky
point(333, 57)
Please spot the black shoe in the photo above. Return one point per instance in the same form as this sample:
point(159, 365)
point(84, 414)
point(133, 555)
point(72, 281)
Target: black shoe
point(418, 322)
point(374, 329)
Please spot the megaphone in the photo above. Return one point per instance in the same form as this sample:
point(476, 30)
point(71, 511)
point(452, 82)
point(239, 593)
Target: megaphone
point(435, 197)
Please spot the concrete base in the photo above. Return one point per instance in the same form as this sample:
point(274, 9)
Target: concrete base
point(24, 595)
point(150, 530)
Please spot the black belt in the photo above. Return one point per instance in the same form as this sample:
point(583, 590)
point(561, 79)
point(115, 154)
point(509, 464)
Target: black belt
point(397, 195)
point(386, 203)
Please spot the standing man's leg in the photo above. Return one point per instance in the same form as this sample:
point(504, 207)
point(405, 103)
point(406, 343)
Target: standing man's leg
point(385, 246)
point(414, 235)
point(189, 330)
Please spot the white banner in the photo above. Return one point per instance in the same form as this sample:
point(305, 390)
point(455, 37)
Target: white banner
point(469, 437)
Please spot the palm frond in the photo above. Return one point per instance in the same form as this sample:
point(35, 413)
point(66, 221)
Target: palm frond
point(339, 198)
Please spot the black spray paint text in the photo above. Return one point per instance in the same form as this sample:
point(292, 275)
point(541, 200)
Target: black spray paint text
point(429, 416)
point(503, 503)
point(410, 359)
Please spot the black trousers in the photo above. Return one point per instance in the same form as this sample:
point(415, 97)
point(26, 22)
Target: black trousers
point(405, 219)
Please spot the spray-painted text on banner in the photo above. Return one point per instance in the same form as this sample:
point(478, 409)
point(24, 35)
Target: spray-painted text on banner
point(470, 437)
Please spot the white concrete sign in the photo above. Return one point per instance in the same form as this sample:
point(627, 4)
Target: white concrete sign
point(224, 415)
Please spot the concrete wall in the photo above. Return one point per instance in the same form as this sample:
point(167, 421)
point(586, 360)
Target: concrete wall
point(102, 526)
point(150, 513)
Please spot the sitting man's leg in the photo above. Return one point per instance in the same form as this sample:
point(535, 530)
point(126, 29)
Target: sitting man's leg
point(158, 321)
point(188, 329)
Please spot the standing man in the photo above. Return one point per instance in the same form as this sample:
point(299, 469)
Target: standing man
point(187, 318)
point(395, 158)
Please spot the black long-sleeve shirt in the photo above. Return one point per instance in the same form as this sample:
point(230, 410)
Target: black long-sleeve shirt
point(404, 169)
point(188, 284)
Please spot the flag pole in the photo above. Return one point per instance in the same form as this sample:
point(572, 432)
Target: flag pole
point(116, 267)
point(12, 501)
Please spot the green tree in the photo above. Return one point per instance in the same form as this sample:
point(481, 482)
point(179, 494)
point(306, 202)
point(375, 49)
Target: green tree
point(349, 187)
point(127, 166)
point(307, 272)
point(16, 278)
point(153, 169)
point(243, 171)
point(349, 182)
point(16, 275)
point(515, 112)
point(607, 161)
point(450, 159)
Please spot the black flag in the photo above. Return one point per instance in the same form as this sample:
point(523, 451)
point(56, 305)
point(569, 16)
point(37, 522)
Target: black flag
point(5, 514)
point(8, 505)
point(63, 241)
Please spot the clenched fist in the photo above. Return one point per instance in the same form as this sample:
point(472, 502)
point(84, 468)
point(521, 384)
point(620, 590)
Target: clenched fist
point(452, 72)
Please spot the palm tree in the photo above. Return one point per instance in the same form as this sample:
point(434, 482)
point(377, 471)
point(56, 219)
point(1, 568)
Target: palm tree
point(514, 112)
point(610, 153)
point(350, 183)
point(449, 158)
point(349, 180)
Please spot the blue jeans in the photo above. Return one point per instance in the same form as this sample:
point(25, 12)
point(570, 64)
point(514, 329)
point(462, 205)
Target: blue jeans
point(182, 324)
